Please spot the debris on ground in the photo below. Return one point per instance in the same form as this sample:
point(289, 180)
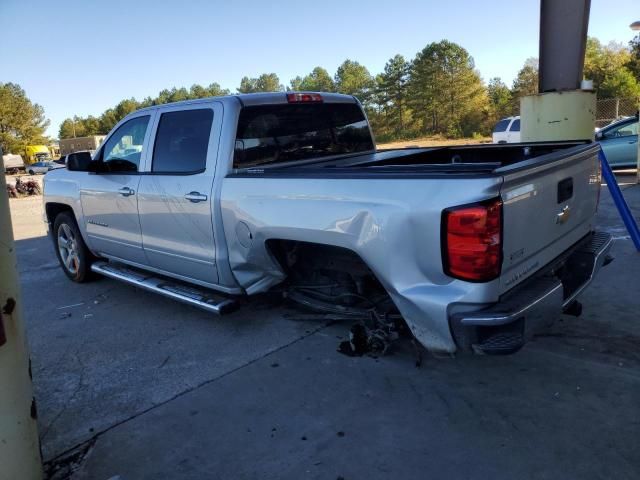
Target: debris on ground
point(11, 191)
point(99, 299)
point(357, 345)
point(374, 336)
point(23, 188)
point(64, 466)
point(379, 324)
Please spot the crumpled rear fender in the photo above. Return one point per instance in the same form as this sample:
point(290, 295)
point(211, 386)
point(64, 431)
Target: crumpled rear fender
point(393, 225)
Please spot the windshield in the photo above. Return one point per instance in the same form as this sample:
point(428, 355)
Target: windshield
point(622, 129)
point(270, 134)
point(502, 125)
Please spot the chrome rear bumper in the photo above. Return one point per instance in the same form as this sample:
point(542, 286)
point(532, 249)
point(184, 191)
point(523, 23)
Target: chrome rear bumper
point(505, 326)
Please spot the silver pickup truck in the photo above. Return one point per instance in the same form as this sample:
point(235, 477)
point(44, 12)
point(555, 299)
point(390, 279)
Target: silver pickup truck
point(206, 201)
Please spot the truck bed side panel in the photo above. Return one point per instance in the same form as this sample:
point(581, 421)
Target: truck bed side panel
point(392, 224)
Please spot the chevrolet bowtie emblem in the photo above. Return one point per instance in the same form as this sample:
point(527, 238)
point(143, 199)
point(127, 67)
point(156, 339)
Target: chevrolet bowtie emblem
point(564, 215)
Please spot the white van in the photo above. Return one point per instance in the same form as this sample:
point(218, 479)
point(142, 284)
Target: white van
point(507, 130)
point(12, 162)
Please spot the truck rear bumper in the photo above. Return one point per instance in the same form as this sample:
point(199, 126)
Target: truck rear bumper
point(504, 327)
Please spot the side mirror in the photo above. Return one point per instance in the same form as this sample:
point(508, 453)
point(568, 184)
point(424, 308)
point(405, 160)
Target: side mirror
point(80, 162)
point(599, 135)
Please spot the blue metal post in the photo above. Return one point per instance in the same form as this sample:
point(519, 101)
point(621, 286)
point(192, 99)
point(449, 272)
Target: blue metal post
point(623, 208)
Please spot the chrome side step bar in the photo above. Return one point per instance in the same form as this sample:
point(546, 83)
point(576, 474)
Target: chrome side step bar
point(191, 295)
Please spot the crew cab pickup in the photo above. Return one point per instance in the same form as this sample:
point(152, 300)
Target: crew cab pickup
point(205, 201)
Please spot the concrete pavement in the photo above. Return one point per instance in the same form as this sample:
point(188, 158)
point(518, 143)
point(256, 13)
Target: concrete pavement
point(142, 387)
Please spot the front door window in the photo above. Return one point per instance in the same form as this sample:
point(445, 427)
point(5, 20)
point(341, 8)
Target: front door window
point(123, 150)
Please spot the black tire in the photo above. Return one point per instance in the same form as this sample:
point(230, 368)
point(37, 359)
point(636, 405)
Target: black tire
point(31, 172)
point(75, 259)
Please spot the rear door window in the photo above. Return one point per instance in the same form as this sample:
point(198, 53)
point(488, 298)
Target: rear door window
point(270, 134)
point(182, 141)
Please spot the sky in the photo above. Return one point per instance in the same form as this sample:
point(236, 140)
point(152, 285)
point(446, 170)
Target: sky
point(82, 57)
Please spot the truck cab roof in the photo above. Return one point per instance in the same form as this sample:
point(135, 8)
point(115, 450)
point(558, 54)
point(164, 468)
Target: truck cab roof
point(252, 99)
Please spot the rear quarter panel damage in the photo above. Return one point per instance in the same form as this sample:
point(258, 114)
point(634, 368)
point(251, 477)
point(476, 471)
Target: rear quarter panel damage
point(392, 224)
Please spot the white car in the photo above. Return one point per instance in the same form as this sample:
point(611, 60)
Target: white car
point(42, 167)
point(507, 130)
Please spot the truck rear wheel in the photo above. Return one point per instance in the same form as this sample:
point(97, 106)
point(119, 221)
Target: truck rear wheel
point(73, 255)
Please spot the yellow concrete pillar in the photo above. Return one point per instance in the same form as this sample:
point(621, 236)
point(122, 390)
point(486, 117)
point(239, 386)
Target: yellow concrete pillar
point(550, 116)
point(19, 445)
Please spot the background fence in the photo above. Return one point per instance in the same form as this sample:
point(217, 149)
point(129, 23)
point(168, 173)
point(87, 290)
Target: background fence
point(610, 109)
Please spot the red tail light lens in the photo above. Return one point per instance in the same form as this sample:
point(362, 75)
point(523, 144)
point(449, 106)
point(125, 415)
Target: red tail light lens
point(472, 241)
point(304, 98)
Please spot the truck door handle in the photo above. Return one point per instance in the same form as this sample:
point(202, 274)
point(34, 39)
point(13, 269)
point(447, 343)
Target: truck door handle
point(564, 214)
point(196, 197)
point(126, 191)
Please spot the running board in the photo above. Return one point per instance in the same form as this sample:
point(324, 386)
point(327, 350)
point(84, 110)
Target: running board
point(196, 296)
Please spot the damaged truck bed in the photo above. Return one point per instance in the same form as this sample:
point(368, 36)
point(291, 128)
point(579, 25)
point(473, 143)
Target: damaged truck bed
point(475, 247)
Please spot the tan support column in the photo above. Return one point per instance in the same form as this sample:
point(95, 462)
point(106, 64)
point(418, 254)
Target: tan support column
point(19, 445)
point(556, 116)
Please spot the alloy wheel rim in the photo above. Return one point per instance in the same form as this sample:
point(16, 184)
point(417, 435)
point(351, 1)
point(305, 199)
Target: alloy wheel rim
point(68, 248)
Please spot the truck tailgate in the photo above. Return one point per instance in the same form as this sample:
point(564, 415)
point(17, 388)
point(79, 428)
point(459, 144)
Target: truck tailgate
point(549, 204)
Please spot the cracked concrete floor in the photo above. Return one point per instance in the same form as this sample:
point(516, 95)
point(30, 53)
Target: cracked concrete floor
point(148, 388)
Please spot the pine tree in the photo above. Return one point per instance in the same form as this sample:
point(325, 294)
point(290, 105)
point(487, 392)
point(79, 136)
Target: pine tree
point(391, 89)
point(446, 94)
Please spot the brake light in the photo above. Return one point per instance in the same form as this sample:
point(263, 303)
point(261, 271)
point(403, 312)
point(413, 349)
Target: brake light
point(304, 97)
point(472, 241)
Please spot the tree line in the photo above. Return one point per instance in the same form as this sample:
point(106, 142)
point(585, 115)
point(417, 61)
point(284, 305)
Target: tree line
point(439, 91)
point(22, 122)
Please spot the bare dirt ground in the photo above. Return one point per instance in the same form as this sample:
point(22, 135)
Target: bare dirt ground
point(432, 142)
point(26, 215)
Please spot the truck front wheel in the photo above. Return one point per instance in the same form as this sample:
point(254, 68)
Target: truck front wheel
point(73, 255)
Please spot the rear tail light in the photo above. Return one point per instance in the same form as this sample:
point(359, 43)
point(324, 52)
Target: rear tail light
point(472, 241)
point(304, 97)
